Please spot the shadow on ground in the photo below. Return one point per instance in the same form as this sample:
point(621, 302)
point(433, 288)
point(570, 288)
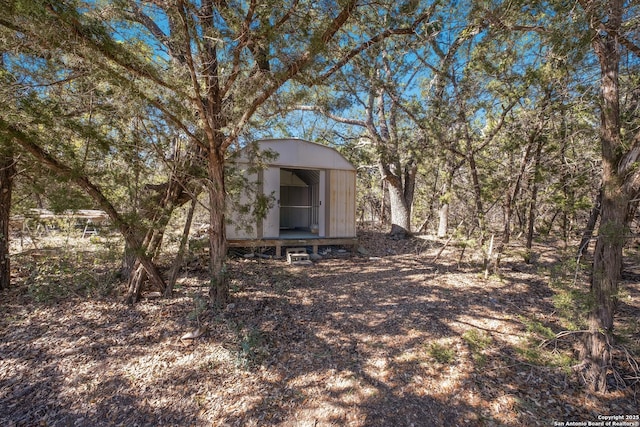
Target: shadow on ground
point(386, 338)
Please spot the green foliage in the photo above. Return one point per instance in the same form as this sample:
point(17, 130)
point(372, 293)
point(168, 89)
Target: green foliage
point(478, 342)
point(441, 353)
point(571, 300)
point(55, 275)
point(537, 329)
point(253, 347)
point(64, 196)
point(541, 346)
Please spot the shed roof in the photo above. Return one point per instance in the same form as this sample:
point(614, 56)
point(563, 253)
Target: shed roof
point(298, 153)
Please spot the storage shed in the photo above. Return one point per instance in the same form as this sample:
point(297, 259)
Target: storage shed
point(313, 187)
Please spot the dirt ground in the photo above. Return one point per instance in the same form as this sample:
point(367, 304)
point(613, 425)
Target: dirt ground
point(383, 336)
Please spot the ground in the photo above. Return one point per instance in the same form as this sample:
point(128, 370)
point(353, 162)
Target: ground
point(384, 336)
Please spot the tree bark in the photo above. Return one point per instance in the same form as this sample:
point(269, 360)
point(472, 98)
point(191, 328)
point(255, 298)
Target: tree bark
point(477, 194)
point(445, 201)
point(177, 263)
point(219, 283)
point(400, 211)
point(510, 199)
point(591, 224)
point(160, 207)
point(533, 204)
point(7, 172)
point(607, 262)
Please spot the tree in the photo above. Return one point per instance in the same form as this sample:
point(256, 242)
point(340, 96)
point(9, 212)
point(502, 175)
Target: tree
point(206, 67)
point(373, 94)
point(7, 173)
point(391, 144)
point(610, 37)
point(63, 110)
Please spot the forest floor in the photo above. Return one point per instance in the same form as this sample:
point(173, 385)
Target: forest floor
point(383, 336)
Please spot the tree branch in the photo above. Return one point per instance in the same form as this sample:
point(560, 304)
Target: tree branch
point(128, 231)
point(194, 76)
point(375, 40)
point(628, 168)
point(107, 47)
point(329, 115)
point(293, 69)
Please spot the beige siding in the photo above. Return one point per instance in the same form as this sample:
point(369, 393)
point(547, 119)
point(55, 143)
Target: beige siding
point(271, 186)
point(342, 209)
point(297, 153)
point(336, 186)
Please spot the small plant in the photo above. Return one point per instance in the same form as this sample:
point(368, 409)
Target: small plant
point(53, 278)
point(253, 348)
point(199, 307)
point(477, 342)
point(531, 354)
point(535, 349)
point(572, 301)
point(441, 353)
point(537, 329)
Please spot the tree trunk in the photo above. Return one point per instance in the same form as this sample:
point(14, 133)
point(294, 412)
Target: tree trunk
point(151, 246)
point(158, 213)
point(383, 203)
point(7, 172)
point(445, 200)
point(219, 284)
point(400, 211)
point(591, 224)
point(177, 263)
point(477, 193)
point(443, 219)
point(534, 199)
point(607, 262)
point(607, 266)
point(513, 192)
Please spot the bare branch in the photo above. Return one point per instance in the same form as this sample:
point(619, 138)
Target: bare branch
point(624, 41)
point(495, 20)
point(194, 76)
point(628, 167)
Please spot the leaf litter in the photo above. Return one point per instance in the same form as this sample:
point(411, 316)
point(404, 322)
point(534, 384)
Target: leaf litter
point(381, 337)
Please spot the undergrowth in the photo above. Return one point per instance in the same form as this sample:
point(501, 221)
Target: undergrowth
point(441, 353)
point(51, 275)
point(252, 345)
point(478, 342)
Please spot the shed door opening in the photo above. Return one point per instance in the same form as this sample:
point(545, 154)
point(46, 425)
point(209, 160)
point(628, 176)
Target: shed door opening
point(300, 203)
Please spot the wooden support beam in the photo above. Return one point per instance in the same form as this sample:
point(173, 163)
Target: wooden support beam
point(279, 243)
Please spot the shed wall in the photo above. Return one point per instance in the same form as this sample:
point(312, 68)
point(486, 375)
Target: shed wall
point(297, 153)
point(337, 186)
point(342, 203)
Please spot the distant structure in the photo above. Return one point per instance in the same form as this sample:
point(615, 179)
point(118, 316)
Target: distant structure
point(314, 188)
